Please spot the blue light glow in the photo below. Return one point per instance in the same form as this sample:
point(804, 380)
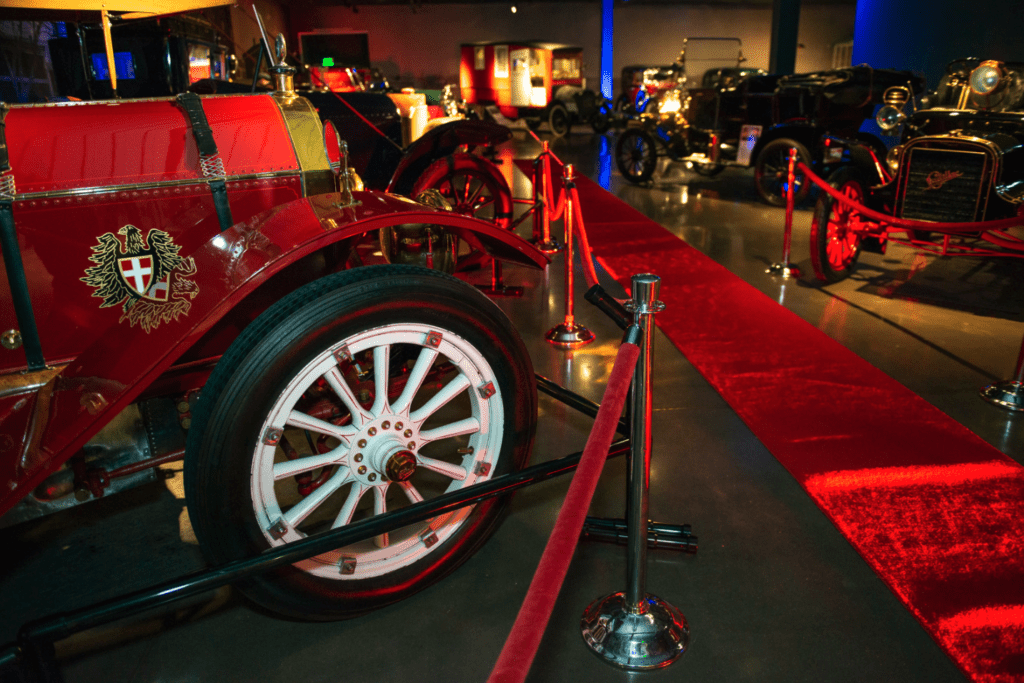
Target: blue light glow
point(124, 65)
point(604, 163)
point(607, 39)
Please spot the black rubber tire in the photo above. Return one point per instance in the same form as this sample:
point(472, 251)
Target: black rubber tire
point(771, 169)
point(636, 155)
point(601, 121)
point(558, 119)
point(224, 443)
point(473, 185)
point(708, 170)
point(533, 123)
point(835, 248)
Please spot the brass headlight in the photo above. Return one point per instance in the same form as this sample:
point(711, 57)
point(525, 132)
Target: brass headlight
point(986, 78)
point(889, 118)
point(892, 159)
point(670, 103)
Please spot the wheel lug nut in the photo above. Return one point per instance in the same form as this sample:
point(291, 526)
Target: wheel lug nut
point(362, 443)
point(372, 477)
point(359, 457)
point(411, 445)
point(385, 425)
point(407, 433)
point(362, 469)
point(372, 431)
point(398, 426)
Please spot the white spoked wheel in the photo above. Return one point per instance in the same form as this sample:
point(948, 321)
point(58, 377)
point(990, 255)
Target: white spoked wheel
point(359, 394)
point(384, 450)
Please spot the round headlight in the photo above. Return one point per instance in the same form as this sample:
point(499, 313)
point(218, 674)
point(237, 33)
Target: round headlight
point(889, 117)
point(670, 103)
point(892, 159)
point(985, 79)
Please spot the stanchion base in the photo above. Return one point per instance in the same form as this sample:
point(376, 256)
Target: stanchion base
point(551, 246)
point(784, 269)
point(569, 336)
point(637, 642)
point(491, 290)
point(1008, 394)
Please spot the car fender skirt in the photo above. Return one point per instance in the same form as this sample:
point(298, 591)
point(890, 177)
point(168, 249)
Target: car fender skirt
point(110, 374)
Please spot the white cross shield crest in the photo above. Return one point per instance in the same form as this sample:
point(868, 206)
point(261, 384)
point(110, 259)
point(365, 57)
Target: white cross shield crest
point(137, 271)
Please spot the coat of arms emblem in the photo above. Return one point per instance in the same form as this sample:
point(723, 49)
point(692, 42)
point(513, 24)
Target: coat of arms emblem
point(146, 277)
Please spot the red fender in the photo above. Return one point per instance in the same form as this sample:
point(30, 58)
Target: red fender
point(110, 374)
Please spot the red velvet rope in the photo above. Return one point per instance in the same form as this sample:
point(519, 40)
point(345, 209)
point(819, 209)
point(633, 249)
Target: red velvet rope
point(586, 256)
point(560, 206)
point(904, 222)
point(521, 647)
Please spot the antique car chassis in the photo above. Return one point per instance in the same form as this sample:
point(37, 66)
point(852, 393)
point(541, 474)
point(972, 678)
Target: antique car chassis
point(950, 188)
point(521, 80)
point(268, 324)
point(32, 656)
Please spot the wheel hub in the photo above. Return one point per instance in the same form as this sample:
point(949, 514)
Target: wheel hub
point(384, 450)
point(400, 466)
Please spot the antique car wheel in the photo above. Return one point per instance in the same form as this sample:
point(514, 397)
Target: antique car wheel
point(771, 172)
point(473, 186)
point(558, 119)
point(708, 170)
point(835, 244)
point(636, 155)
point(601, 121)
point(357, 394)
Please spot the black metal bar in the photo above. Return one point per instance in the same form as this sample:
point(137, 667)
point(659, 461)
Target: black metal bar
point(19, 288)
point(526, 214)
point(259, 65)
point(58, 627)
point(654, 527)
point(574, 400)
point(655, 540)
point(609, 306)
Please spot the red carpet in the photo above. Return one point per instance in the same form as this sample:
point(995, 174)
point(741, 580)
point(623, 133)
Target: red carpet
point(936, 511)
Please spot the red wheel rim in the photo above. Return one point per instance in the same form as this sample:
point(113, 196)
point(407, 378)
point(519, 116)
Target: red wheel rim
point(841, 239)
point(470, 194)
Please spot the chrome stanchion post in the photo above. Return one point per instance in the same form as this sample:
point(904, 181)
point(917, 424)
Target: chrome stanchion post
point(569, 334)
point(784, 267)
point(542, 220)
point(633, 629)
point(1009, 393)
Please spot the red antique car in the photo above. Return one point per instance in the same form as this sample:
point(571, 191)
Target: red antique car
point(534, 81)
point(187, 276)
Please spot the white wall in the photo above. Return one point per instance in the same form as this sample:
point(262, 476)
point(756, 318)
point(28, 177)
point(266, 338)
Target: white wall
point(421, 48)
point(821, 27)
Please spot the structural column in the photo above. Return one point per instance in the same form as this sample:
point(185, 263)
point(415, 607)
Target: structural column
point(785, 29)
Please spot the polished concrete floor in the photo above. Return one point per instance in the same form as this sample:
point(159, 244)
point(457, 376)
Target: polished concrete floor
point(775, 592)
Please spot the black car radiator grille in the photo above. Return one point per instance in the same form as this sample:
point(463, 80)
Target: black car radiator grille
point(944, 185)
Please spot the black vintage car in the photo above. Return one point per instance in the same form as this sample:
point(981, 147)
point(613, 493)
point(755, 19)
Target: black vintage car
point(960, 160)
point(745, 117)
